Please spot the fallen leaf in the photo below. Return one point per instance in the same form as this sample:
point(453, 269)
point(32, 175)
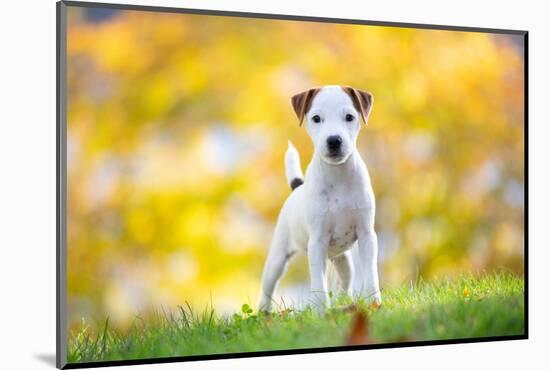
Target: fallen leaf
point(375, 305)
point(359, 331)
point(285, 313)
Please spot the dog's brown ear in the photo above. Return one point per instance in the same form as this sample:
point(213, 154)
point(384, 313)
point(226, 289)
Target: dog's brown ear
point(302, 102)
point(362, 101)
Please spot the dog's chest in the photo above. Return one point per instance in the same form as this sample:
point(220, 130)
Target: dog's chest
point(342, 233)
point(341, 198)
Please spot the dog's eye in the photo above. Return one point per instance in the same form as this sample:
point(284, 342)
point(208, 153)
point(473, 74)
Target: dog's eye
point(316, 118)
point(349, 117)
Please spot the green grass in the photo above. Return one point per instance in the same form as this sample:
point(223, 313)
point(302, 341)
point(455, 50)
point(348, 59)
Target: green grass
point(468, 307)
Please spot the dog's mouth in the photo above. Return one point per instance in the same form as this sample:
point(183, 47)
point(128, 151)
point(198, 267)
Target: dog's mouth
point(335, 158)
point(335, 155)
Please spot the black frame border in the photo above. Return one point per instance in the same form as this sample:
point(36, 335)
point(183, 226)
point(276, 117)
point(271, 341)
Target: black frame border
point(61, 183)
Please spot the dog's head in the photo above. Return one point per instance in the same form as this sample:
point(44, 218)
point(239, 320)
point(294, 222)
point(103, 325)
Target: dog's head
point(333, 115)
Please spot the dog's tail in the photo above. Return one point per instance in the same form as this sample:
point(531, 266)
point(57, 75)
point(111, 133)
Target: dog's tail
point(293, 170)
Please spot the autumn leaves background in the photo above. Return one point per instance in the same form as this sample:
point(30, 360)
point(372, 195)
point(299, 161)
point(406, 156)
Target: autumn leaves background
point(177, 127)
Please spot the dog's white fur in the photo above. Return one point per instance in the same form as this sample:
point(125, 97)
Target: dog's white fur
point(332, 211)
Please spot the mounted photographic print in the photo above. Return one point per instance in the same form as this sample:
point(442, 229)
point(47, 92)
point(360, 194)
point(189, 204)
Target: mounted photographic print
point(236, 184)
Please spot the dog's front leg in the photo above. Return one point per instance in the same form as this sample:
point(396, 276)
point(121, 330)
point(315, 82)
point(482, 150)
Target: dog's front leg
point(368, 255)
point(317, 257)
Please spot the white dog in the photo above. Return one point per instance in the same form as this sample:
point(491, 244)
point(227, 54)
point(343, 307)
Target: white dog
point(334, 208)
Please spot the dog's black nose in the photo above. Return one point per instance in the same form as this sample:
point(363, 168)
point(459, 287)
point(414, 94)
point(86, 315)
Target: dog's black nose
point(334, 143)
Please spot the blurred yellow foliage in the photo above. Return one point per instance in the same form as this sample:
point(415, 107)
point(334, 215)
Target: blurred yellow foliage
point(177, 127)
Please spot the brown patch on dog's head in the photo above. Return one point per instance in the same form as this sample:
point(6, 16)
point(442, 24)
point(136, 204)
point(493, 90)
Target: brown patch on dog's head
point(302, 102)
point(362, 101)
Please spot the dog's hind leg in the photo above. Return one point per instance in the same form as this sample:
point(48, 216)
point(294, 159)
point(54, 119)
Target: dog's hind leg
point(343, 265)
point(275, 266)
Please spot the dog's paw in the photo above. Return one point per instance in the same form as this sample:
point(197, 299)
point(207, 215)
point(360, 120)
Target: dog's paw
point(265, 304)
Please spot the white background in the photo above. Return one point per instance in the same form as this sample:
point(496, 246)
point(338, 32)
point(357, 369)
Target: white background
point(27, 182)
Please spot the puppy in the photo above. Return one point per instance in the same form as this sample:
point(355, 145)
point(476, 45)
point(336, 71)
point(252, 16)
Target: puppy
point(333, 208)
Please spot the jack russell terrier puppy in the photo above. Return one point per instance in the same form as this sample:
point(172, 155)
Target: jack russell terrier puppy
point(332, 209)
